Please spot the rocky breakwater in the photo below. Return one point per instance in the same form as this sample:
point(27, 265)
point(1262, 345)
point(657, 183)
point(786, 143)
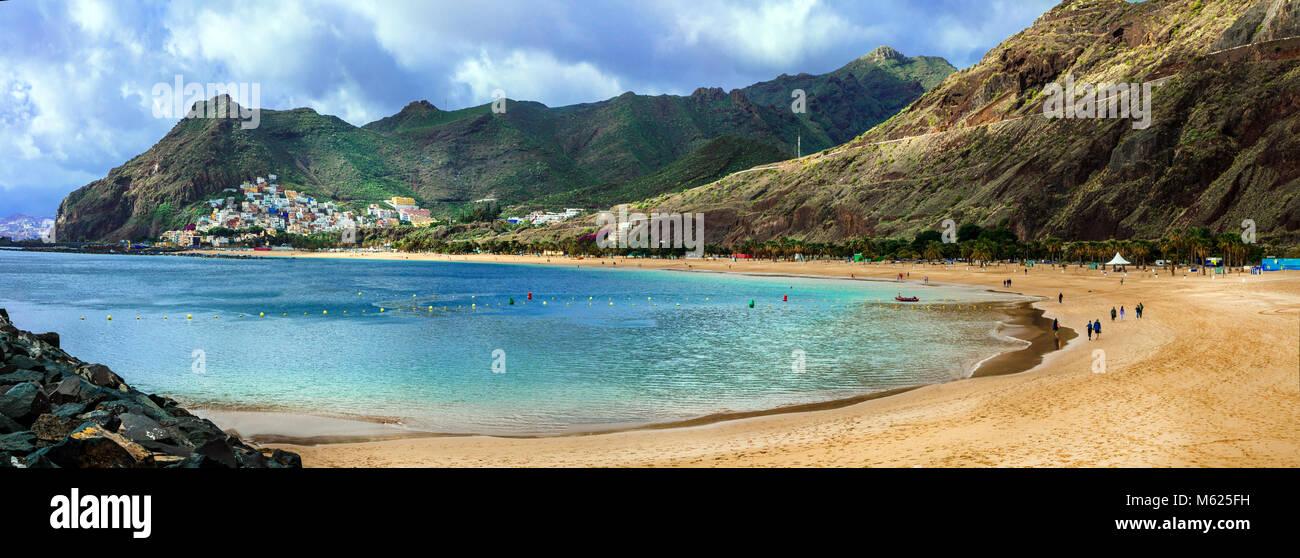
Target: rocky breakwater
point(57, 411)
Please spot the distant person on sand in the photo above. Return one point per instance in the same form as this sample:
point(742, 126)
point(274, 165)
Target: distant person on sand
point(1096, 328)
point(1090, 330)
point(1121, 313)
point(1060, 298)
point(1056, 324)
point(1112, 313)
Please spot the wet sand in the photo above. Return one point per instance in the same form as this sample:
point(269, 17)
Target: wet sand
point(1209, 377)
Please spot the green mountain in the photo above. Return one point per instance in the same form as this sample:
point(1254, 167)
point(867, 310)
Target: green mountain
point(1221, 147)
point(716, 159)
point(590, 154)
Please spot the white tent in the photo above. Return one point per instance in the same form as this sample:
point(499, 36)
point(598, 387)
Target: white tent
point(1118, 260)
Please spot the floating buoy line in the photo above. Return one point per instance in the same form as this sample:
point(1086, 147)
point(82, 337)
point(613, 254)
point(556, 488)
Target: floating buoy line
point(786, 301)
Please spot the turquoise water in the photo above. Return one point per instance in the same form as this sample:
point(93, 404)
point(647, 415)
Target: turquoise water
point(574, 363)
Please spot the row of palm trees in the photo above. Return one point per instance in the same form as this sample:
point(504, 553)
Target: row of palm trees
point(1185, 246)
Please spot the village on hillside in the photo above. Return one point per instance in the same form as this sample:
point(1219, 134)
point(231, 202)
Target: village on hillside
point(262, 208)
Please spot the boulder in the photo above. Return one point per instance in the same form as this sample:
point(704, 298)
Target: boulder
point(281, 459)
point(248, 457)
point(218, 451)
point(196, 431)
point(101, 417)
point(138, 403)
point(140, 429)
point(18, 443)
point(69, 409)
point(9, 426)
point(39, 461)
point(101, 376)
point(72, 389)
point(52, 428)
point(50, 337)
point(19, 376)
point(91, 446)
point(24, 402)
point(24, 362)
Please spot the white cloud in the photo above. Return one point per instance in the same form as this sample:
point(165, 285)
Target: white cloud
point(253, 41)
point(533, 75)
point(774, 33)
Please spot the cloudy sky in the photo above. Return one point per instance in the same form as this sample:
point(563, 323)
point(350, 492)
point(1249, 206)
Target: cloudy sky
point(79, 75)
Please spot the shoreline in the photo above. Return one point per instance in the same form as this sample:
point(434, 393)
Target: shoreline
point(1022, 321)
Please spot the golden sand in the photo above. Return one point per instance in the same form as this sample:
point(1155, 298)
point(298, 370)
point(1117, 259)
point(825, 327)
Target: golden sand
point(1209, 377)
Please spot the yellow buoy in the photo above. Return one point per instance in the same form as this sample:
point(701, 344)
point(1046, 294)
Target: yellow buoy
point(83, 318)
point(259, 314)
point(381, 310)
point(110, 318)
point(189, 316)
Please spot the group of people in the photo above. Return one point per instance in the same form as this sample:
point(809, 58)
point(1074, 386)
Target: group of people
point(1094, 326)
point(1006, 283)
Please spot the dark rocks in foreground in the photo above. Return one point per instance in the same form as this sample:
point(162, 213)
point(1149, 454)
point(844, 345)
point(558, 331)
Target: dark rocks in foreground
point(57, 411)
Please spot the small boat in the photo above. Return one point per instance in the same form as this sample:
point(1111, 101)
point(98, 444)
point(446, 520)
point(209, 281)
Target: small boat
point(907, 299)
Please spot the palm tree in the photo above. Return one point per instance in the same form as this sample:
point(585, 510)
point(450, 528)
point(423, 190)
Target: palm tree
point(933, 251)
point(1140, 249)
point(1053, 246)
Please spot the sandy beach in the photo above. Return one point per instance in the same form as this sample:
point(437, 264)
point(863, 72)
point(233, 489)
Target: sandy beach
point(1209, 377)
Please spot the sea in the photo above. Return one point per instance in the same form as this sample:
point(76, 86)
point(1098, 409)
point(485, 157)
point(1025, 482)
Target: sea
point(487, 348)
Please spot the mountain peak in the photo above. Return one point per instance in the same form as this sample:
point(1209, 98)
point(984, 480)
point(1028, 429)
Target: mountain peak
point(420, 106)
point(883, 52)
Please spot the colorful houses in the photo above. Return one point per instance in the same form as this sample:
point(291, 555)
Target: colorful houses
point(263, 204)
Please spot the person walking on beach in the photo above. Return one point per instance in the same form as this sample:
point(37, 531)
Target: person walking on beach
point(1090, 330)
point(1112, 313)
point(1096, 328)
point(1060, 298)
point(1121, 313)
point(1138, 309)
point(1056, 325)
